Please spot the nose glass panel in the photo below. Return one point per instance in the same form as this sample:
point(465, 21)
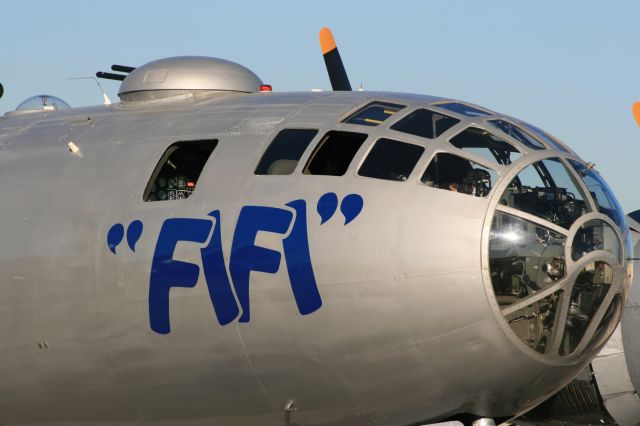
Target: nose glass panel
point(608, 324)
point(524, 258)
point(535, 324)
point(596, 235)
point(590, 289)
point(601, 193)
point(546, 189)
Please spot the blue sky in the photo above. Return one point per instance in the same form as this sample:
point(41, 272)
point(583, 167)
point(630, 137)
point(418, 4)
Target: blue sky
point(570, 67)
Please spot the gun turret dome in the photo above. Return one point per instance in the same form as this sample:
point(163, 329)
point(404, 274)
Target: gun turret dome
point(187, 74)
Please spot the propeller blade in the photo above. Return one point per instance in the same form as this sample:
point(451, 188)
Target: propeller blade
point(335, 67)
point(636, 112)
point(1, 90)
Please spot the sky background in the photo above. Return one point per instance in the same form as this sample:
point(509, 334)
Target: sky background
point(569, 67)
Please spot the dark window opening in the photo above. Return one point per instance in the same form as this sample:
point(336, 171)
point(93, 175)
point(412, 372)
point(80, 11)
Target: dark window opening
point(517, 133)
point(334, 153)
point(391, 160)
point(457, 174)
point(282, 156)
point(463, 109)
point(176, 175)
point(373, 114)
point(425, 123)
point(486, 145)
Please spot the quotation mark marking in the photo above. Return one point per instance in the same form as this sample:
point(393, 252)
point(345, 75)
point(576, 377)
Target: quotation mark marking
point(350, 207)
point(116, 235)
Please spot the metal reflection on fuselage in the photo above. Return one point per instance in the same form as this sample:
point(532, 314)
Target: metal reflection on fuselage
point(410, 325)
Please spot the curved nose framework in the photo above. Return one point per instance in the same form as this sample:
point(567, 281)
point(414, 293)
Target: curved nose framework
point(556, 257)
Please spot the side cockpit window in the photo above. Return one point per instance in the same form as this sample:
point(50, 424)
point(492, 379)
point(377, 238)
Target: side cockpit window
point(176, 174)
point(391, 160)
point(373, 114)
point(457, 174)
point(486, 145)
point(282, 156)
point(334, 153)
point(425, 123)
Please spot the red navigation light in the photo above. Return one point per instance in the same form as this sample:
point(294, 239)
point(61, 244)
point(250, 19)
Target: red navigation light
point(191, 184)
point(266, 88)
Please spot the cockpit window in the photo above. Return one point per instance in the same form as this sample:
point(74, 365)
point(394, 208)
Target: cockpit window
point(425, 123)
point(601, 193)
point(391, 160)
point(486, 145)
point(176, 175)
point(544, 136)
point(334, 153)
point(517, 133)
point(282, 156)
point(373, 114)
point(463, 109)
point(457, 174)
point(546, 189)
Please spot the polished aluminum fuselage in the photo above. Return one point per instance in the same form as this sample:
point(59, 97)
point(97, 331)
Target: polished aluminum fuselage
point(408, 330)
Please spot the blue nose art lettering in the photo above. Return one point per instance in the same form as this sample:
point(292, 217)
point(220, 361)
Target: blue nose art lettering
point(298, 259)
point(215, 273)
point(229, 292)
point(167, 272)
point(246, 256)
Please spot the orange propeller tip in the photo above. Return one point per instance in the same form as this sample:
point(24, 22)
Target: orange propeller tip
point(327, 43)
point(636, 112)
